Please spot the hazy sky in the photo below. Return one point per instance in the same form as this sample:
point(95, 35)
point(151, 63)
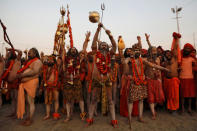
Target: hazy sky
point(32, 23)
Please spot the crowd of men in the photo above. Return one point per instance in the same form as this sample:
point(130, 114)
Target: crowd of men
point(101, 80)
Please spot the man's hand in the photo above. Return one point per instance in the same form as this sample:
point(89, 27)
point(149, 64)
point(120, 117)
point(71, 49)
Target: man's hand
point(100, 25)
point(18, 76)
point(147, 36)
point(20, 53)
point(25, 51)
point(138, 38)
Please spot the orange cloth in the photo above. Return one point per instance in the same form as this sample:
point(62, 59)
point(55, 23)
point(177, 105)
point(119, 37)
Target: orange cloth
point(30, 86)
point(172, 92)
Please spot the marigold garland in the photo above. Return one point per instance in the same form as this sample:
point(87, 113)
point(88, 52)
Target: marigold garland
point(45, 73)
point(140, 79)
point(71, 68)
point(26, 65)
point(103, 63)
point(5, 74)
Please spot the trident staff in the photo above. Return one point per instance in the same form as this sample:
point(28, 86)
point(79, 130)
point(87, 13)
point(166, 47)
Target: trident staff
point(94, 17)
point(102, 8)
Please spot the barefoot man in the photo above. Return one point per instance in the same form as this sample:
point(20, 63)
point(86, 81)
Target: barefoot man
point(138, 89)
point(188, 89)
point(29, 82)
point(171, 80)
point(101, 82)
point(50, 83)
point(154, 81)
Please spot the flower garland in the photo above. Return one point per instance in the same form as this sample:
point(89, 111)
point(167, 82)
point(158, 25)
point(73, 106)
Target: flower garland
point(73, 69)
point(140, 79)
point(113, 76)
point(70, 30)
point(5, 74)
point(26, 65)
point(45, 73)
point(102, 63)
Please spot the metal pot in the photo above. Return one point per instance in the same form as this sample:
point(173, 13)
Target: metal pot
point(94, 17)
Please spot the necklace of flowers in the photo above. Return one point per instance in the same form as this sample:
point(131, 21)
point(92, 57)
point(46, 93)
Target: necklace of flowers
point(45, 73)
point(5, 74)
point(102, 63)
point(71, 69)
point(140, 79)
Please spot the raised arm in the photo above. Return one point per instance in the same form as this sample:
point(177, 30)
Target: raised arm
point(19, 52)
point(63, 59)
point(95, 39)
point(113, 42)
point(26, 56)
point(87, 39)
point(139, 42)
point(176, 38)
point(147, 39)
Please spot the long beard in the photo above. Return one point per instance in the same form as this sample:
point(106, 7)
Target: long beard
point(104, 52)
point(50, 64)
point(73, 55)
point(154, 57)
point(137, 55)
point(29, 57)
point(112, 63)
point(186, 53)
point(168, 59)
point(90, 58)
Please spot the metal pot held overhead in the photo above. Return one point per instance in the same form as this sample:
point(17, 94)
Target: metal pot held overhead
point(94, 17)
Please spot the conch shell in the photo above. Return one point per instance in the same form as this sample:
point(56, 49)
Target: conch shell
point(94, 16)
point(121, 44)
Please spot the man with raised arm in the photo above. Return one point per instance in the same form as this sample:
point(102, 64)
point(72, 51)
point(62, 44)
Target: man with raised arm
point(138, 90)
point(154, 81)
point(72, 86)
point(101, 83)
point(13, 63)
point(171, 80)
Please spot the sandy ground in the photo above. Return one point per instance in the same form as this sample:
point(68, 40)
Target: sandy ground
point(164, 122)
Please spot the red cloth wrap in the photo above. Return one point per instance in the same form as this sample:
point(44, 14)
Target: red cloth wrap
point(188, 88)
point(125, 81)
point(155, 91)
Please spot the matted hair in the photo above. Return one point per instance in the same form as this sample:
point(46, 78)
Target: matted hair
point(36, 52)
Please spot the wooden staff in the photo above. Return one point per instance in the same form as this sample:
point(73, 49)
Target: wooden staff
point(6, 37)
